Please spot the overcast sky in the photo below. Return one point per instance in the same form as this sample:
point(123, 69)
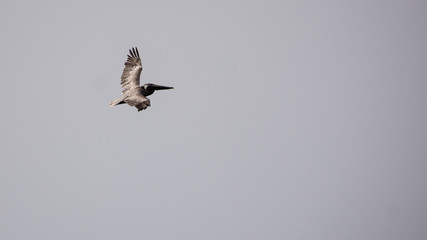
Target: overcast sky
point(289, 120)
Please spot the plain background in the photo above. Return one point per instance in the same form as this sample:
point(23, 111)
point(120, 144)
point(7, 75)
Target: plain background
point(289, 120)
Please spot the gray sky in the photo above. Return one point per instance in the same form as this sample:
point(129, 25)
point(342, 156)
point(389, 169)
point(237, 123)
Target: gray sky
point(289, 120)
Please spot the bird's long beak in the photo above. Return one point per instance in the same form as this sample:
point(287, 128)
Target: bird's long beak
point(159, 87)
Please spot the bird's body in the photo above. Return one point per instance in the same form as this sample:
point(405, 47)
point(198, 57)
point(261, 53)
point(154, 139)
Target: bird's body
point(132, 93)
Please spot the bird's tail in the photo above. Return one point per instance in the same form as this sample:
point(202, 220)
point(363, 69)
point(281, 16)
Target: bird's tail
point(116, 102)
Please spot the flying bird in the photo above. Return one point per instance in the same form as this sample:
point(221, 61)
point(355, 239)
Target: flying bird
point(132, 93)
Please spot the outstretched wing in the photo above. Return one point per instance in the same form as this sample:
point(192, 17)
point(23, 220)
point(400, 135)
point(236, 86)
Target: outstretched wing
point(132, 71)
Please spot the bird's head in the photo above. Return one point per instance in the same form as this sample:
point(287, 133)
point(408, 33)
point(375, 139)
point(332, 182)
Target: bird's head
point(153, 87)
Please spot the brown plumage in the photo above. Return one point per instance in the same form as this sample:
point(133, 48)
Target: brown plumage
point(132, 93)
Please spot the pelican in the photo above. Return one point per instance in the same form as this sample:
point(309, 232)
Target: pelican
point(132, 93)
